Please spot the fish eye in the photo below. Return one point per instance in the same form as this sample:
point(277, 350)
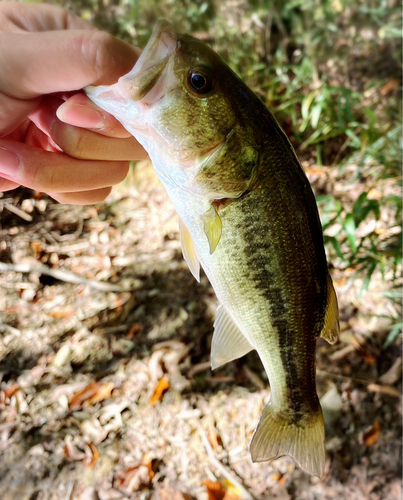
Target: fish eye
point(200, 80)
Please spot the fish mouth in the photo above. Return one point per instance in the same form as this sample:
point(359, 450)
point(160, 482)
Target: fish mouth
point(145, 78)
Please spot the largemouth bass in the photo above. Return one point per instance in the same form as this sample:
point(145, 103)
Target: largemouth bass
point(248, 216)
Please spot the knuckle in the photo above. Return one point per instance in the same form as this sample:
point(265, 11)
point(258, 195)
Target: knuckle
point(71, 140)
point(96, 49)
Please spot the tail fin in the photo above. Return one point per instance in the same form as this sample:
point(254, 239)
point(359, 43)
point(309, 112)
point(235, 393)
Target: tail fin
point(304, 441)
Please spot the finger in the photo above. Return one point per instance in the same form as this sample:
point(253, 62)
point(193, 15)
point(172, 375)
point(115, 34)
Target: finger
point(56, 172)
point(82, 198)
point(58, 61)
point(6, 185)
point(26, 17)
point(39, 139)
point(13, 112)
point(81, 143)
point(82, 112)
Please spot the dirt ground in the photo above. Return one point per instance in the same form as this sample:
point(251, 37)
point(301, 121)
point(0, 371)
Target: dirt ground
point(105, 386)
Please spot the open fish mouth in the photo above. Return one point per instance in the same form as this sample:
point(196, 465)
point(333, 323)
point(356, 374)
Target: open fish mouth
point(147, 83)
point(145, 78)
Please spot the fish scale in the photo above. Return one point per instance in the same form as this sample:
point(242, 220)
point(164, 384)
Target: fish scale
point(248, 216)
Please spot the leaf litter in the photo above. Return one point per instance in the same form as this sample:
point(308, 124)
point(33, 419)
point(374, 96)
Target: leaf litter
point(105, 386)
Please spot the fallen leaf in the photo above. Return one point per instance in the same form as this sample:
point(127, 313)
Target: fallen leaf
point(36, 247)
point(390, 85)
point(279, 477)
point(87, 393)
point(371, 436)
point(168, 493)
point(215, 490)
point(219, 491)
point(95, 455)
point(104, 392)
point(72, 452)
point(64, 312)
point(132, 478)
point(393, 374)
point(212, 437)
point(10, 391)
point(136, 328)
point(162, 387)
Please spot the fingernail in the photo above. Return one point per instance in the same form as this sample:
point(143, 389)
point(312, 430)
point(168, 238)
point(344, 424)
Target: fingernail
point(80, 116)
point(9, 163)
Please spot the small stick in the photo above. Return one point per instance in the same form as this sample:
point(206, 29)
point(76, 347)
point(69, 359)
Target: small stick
point(60, 274)
point(19, 212)
point(216, 463)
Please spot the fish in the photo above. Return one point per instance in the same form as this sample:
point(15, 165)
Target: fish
point(247, 216)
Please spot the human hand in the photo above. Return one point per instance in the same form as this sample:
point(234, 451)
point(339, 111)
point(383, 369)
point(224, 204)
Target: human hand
point(50, 55)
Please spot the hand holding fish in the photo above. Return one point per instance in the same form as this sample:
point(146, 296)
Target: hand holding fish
point(52, 138)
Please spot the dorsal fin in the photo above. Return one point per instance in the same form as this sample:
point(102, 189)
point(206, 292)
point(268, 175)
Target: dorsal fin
point(189, 250)
point(228, 342)
point(331, 327)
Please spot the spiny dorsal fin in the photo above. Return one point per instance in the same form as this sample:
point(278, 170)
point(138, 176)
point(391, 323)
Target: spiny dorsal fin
point(228, 342)
point(304, 440)
point(331, 327)
point(189, 250)
point(212, 226)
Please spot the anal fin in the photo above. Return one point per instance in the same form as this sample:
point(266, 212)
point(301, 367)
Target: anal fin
point(228, 342)
point(331, 329)
point(303, 441)
point(189, 250)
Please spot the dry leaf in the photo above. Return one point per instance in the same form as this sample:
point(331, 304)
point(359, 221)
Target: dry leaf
point(36, 247)
point(390, 85)
point(87, 393)
point(95, 455)
point(168, 493)
point(215, 490)
point(371, 436)
point(279, 477)
point(393, 374)
point(162, 387)
point(132, 478)
point(104, 392)
point(10, 391)
point(213, 437)
point(136, 328)
point(64, 312)
point(148, 462)
point(72, 452)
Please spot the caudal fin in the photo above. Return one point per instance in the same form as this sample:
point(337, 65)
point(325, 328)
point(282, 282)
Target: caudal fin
point(304, 441)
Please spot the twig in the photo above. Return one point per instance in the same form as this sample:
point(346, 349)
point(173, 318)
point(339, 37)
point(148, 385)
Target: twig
point(385, 389)
point(216, 463)
point(9, 329)
point(70, 490)
point(19, 212)
point(60, 274)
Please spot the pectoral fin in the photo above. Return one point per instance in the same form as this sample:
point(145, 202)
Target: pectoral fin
point(189, 250)
point(229, 342)
point(212, 226)
point(331, 328)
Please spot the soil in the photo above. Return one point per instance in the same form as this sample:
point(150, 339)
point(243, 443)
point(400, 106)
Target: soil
point(106, 391)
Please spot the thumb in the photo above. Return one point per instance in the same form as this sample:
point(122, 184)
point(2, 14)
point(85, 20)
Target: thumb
point(62, 60)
